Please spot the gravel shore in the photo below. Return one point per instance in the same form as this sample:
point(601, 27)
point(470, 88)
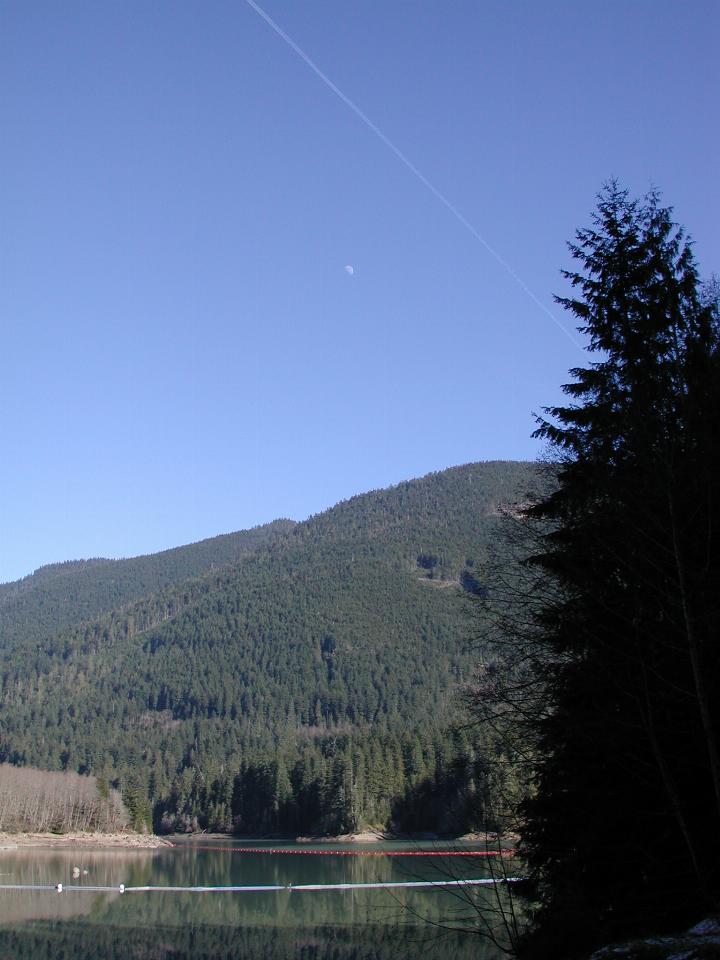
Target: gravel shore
point(11, 841)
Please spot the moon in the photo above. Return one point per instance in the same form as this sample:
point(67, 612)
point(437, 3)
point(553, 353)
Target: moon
point(349, 269)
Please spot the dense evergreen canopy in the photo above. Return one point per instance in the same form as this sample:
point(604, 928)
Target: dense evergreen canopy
point(308, 686)
point(623, 831)
point(62, 594)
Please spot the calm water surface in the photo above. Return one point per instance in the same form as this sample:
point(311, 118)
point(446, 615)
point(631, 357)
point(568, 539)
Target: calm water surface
point(323, 925)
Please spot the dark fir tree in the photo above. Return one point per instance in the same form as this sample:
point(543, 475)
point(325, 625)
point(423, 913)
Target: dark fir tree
point(622, 831)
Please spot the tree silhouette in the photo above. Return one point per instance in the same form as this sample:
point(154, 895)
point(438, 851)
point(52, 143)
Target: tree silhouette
point(622, 831)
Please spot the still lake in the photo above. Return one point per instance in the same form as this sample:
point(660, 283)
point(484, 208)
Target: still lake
point(361, 924)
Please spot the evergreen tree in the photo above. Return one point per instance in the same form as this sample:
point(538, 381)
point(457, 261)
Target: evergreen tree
point(622, 833)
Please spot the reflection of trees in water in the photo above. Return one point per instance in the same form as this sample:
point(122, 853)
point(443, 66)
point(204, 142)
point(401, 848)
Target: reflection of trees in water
point(47, 941)
point(17, 906)
point(50, 866)
point(293, 911)
point(184, 866)
point(490, 912)
point(104, 867)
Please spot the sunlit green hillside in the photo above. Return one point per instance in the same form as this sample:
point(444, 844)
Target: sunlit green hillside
point(309, 686)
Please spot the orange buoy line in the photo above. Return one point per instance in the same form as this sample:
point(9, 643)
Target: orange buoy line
point(348, 853)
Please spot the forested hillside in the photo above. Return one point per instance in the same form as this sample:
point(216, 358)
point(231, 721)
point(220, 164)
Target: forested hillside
point(62, 594)
point(310, 687)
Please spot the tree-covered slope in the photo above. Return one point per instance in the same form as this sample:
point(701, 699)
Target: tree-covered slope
point(60, 595)
point(343, 635)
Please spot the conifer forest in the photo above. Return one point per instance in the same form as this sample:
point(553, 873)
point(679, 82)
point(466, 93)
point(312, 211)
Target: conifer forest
point(499, 644)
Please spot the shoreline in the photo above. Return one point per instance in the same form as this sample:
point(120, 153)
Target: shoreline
point(360, 836)
point(96, 841)
point(138, 841)
point(370, 836)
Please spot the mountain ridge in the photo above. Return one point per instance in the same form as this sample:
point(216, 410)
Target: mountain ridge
point(317, 667)
point(60, 594)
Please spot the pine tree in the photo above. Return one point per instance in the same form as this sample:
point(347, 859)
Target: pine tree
point(622, 833)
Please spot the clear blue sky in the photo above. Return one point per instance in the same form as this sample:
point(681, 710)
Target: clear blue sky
point(183, 351)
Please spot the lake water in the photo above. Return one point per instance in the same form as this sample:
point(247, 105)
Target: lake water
point(362, 924)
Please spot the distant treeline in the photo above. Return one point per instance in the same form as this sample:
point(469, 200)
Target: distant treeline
point(338, 784)
point(41, 801)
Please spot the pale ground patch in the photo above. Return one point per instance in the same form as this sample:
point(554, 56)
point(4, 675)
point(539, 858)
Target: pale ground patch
point(10, 841)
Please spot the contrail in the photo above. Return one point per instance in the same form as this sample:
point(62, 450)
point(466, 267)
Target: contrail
point(410, 165)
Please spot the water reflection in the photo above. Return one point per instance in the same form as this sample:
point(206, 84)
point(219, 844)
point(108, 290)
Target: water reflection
point(159, 925)
point(46, 941)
